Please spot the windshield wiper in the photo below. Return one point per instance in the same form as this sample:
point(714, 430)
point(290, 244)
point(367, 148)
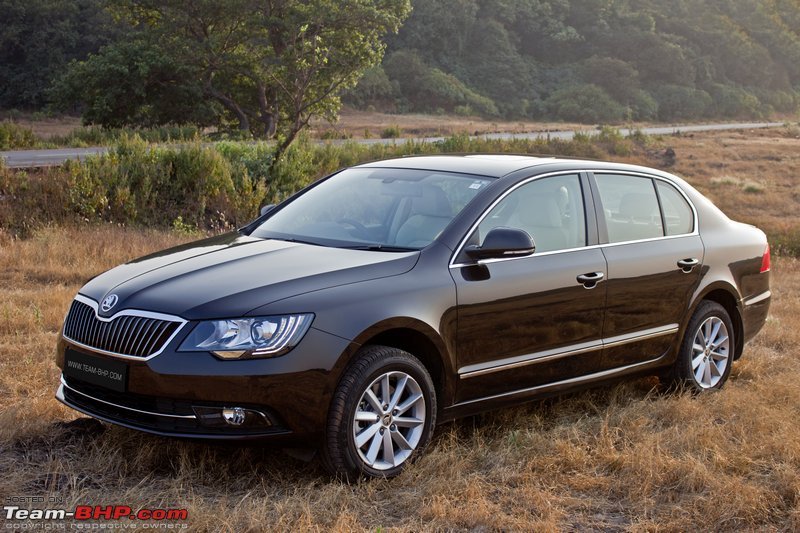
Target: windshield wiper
point(292, 239)
point(377, 247)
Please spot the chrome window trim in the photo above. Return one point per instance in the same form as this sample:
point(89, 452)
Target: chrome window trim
point(579, 379)
point(486, 212)
point(695, 221)
point(509, 363)
point(151, 413)
point(125, 312)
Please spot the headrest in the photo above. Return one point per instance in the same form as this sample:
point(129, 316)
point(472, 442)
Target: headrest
point(433, 202)
point(540, 210)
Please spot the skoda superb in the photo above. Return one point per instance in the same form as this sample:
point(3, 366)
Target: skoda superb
point(394, 295)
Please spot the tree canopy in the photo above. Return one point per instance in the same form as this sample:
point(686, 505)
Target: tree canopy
point(601, 59)
point(266, 66)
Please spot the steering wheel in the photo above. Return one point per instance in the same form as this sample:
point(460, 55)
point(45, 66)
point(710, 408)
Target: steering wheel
point(361, 230)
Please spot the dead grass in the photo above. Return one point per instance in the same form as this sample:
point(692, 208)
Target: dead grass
point(356, 124)
point(628, 457)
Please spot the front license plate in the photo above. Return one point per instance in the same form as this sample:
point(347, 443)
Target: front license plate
point(96, 370)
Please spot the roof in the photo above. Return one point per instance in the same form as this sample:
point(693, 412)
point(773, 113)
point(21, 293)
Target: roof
point(499, 165)
point(493, 165)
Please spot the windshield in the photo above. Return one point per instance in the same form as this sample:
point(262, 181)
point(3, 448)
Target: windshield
point(374, 208)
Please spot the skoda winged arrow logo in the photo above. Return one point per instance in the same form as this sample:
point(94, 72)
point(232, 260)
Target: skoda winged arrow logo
point(110, 301)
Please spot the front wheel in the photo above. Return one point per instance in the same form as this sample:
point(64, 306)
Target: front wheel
point(706, 355)
point(382, 415)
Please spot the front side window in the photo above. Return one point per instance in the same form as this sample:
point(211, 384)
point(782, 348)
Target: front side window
point(630, 206)
point(375, 208)
point(550, 210)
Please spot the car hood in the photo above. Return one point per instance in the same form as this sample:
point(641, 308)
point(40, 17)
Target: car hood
point(232, 274)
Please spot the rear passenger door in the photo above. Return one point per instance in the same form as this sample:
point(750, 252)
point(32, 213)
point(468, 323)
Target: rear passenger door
point(648, 234)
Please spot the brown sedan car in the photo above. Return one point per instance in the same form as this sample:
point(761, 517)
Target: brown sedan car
point(391, 296)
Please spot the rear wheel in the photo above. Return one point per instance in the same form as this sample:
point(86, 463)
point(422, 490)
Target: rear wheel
point(382, 415)
point(706, 355)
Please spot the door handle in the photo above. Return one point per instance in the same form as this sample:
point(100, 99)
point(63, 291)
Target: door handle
point(688, 264)
point(591, 279)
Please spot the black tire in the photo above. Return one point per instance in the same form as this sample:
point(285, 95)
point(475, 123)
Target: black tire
point(340, 454)
point(685, 373)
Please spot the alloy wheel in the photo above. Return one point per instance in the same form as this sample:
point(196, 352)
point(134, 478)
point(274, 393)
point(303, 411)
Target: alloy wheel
point(389, 420)
point(710, 352)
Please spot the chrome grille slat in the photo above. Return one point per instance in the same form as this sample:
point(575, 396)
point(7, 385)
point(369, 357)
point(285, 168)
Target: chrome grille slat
point(154, 338)
point(135, 334)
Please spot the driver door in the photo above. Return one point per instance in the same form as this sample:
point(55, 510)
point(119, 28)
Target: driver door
point(529, 321)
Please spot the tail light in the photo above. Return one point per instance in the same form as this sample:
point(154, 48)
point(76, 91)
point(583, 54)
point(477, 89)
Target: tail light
point(765, 261)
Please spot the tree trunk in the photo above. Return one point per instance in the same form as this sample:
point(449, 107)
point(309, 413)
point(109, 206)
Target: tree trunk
point(230, 104)
point(267, 115)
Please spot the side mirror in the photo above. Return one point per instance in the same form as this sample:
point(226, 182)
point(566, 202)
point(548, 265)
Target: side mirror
point(502, 242)
point(266, 209)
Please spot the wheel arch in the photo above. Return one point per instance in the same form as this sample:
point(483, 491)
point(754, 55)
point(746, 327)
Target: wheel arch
point(420, 340)
point(727, 297)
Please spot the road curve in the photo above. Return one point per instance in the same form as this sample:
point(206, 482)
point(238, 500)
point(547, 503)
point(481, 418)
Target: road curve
point(45, 158)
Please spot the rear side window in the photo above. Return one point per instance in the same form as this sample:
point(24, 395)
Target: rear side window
point(631, 207)
point(677, 212)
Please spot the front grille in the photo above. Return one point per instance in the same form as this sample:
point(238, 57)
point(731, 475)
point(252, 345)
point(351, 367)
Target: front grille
point(127, 334)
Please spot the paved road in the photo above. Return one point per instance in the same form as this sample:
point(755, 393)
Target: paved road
point(43, 158)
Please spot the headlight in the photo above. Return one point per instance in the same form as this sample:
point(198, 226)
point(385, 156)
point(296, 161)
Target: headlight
point(244, 338)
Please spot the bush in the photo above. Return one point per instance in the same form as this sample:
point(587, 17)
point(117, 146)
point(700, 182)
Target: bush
point(391, 132)
point(733, 102)
point(680, 102)
point(588, 104)
point(374, 88)
point(15, 137)
point(199, 187)
point(99, 136)
point(428, 89)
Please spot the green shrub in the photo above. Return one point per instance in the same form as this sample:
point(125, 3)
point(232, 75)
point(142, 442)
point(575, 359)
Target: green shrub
point(733, 102)
point(15, 137)
point(200, 187)
point(680, 102)
point(612, 140)
point(427, 88)
point(99, 136)
point(391, 132)
point(588, 104)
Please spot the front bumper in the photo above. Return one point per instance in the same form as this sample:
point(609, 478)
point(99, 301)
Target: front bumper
point(182, 394)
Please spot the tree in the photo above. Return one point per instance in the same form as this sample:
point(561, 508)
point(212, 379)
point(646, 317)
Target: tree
point(133, 82)
point(271, 64)
point(38, 38)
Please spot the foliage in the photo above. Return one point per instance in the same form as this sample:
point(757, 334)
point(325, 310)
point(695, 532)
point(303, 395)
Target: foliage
point(429, 89)
point(38, 38)
point(584, 103)
point(374, 89)
point(271, 66)
point(681, 102)
point(523, 55)
point(132, 82)
point(97, 136)
point(219, 186)
point(15, 137)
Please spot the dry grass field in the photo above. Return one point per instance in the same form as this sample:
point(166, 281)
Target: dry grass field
point(353, 123)
point(629, 457)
